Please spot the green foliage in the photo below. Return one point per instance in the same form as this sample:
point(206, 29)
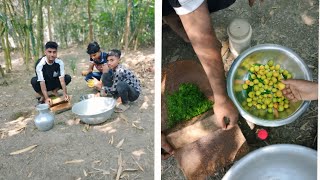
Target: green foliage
point(186, 103)
point(73, 66)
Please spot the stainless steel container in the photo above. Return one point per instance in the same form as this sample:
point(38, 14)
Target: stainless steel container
point(260, 54)
point(276, 162)
point(44, 121)
point(94, 110)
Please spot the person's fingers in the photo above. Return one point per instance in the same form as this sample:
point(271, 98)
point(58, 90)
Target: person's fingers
point(222, 123)
point(291, 97)
point(288, 82)
point(165, 145)
point(233, 122)
point(165, 156)
point(167, 148)
point(286, 91)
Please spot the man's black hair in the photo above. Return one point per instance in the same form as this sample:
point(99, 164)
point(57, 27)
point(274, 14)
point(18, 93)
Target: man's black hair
point(93, 47)
point(115, 52)
point(51, 44)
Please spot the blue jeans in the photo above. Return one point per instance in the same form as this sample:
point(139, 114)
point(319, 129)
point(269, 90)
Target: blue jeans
point(96, 75)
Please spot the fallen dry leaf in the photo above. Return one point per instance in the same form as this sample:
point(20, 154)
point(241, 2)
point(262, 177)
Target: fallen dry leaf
point(145, 105)
point(139, 152)
point(15, 131)
point(16, 121)
point(138, 127)
point(125, 175)
point(23, 150)
point(97, 161)
point(85, 173)
point(120, 143)
point(124, 117)
point(137, 164)
point(74, 161)
point(86, 128)
point(303, 127)
point(104, 172)
point(111, 140)
point(130, 170)
point(120, 167)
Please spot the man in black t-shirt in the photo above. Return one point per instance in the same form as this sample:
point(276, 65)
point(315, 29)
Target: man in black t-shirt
point(50, 75)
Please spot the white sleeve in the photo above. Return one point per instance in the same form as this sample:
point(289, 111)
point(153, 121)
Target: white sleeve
point(187, 6)
point(39, 68)
point(60, 62)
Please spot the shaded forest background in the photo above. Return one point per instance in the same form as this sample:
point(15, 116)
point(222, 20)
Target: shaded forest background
point(25, 25)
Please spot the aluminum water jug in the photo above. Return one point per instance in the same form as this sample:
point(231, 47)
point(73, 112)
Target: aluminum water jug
point(45, 119)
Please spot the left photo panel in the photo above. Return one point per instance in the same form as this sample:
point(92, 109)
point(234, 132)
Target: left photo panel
point(77, 89)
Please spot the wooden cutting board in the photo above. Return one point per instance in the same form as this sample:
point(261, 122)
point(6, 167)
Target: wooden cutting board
point(59, 105)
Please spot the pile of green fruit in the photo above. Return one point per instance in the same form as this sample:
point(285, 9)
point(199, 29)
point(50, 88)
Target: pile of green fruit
point(264, 87)
point(185, 104)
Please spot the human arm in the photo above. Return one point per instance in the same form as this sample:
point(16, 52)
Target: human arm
point(207, 47)
point(296, 90)
point(64, 89)
point(41, 80)
point(89, 70)
point(166, 148)
point(44, 91)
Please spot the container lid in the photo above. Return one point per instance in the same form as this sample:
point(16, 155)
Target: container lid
point(239, 29)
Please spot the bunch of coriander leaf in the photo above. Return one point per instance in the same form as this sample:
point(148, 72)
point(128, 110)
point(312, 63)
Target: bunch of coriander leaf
point(186, 103)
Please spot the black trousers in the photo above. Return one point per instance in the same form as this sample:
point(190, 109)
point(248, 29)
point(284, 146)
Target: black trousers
point(50, 84)
point(126, 92)
point(123, 89)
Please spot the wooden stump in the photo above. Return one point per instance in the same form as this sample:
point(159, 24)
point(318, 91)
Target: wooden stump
point(179, 72)
point(201, 147)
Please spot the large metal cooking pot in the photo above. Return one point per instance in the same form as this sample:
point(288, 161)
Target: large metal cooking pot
point(94, 110)
point(276, 162)
point(260, 54)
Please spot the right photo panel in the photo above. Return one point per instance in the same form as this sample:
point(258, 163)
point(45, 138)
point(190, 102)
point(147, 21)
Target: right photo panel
point(239, 89)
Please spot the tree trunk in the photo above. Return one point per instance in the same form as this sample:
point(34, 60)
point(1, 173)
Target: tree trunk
point(90, 23)
point(135, 34)
point(49, 21)
point(29, 25)
point(127, 30)
point(19, 33)
point(6, 43)
point(27, 49)
point(115, 37)
point(136, 43)
point(40, 48)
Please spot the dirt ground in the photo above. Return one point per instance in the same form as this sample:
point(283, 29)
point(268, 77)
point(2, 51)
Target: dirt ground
point(73, 150)
point(293, 24)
